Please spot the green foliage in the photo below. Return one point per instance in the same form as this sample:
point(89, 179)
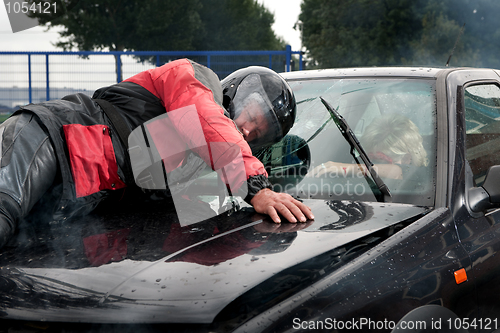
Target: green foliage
point(237, 25)
point(3, 117)
point(343, 33)
point(165, 25)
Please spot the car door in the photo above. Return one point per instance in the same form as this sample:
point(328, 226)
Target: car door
point(477, 147)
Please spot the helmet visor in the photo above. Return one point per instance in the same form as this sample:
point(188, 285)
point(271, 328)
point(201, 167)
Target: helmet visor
point(254, 114)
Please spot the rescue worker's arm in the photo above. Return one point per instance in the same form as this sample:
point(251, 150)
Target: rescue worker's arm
point(182, 84)
point(180, 87)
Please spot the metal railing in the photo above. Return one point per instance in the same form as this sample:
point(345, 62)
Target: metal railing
point(30, 77)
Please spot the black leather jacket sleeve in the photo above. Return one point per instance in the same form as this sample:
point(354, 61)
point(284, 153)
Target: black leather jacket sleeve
point(255, 184)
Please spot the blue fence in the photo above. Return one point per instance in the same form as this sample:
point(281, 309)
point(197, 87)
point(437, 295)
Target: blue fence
point(31, 77)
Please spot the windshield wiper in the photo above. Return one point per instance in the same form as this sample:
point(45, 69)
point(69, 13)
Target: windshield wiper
point(353, 141)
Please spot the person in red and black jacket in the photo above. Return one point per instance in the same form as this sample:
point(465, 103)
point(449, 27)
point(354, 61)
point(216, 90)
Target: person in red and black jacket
point(62, 158)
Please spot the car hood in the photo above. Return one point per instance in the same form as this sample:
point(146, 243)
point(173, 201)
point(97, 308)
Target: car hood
point(174, 274)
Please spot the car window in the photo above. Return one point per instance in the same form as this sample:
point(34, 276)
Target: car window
point(482, 119)
point(315, 139)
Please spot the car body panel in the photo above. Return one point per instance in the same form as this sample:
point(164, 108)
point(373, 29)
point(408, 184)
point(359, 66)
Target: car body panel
point(405, 279)
point(191, 284)
point(359, 259)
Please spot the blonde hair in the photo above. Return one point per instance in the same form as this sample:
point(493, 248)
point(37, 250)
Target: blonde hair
point(395, 136)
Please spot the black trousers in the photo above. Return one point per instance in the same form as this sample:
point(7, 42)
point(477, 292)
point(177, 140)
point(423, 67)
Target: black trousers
point(28, 169)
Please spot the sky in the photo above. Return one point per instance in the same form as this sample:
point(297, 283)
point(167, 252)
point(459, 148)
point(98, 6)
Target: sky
point(285, 12)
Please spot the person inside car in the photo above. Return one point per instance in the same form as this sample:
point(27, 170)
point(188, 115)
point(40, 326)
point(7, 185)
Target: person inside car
point(392, 143)
point(60, 159)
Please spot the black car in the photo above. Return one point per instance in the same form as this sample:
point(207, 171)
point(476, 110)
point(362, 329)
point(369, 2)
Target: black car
point(396, 245)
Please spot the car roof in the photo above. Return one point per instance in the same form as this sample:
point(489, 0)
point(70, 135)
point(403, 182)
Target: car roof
point(423, 72)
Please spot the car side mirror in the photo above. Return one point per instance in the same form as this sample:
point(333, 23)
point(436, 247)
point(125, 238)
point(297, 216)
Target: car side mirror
point(488, 195)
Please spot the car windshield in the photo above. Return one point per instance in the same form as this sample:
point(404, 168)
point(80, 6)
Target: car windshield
point(394, 120)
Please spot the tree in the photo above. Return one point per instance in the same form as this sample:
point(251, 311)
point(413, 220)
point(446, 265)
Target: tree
point(128, 25)
point(165, 25)
point(237, 25)
point(341, 33)
point(154, 25)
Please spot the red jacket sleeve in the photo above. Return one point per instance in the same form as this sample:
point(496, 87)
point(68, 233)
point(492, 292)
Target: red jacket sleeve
point(179, 85)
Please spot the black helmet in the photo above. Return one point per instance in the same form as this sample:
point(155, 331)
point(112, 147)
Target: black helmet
point(267, 88)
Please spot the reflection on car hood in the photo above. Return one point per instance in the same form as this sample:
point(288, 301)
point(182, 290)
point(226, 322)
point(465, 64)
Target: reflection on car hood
point(198, 276)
